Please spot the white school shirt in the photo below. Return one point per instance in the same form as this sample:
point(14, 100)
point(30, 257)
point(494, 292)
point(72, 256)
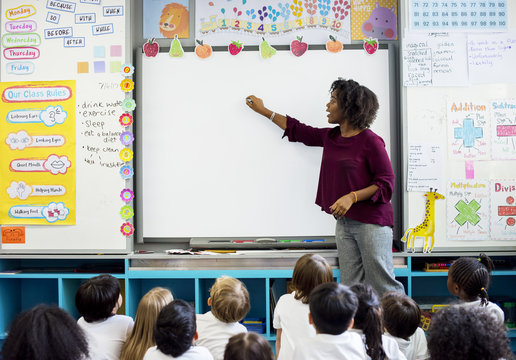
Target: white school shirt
point(495, 311)
point(106, 337)
point(390, 346)
point(346, 346)
point(214, 334)
point(291, 316)
point(194, 353)
point(415, 348)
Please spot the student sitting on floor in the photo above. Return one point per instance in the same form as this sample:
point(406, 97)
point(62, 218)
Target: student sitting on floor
point(45, 333)
point(248, 346)
point(174, 333)
point(401, 317)
point(332, 307)
point(98, 300)
point(229, 301)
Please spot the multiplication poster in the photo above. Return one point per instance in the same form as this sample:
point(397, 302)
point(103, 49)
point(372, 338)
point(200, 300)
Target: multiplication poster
point(37, 157)
point(467, 204)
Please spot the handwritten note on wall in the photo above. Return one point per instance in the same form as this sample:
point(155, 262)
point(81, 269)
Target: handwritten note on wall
point(491, 57)
point(435, 60)
point(424, 168)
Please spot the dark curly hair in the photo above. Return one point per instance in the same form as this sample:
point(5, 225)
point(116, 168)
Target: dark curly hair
point(473, 275)
point(465, 332)
point(358, 104)
point(45, 332)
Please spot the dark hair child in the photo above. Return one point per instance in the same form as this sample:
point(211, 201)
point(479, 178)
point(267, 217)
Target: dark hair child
point(45, 333)
point(248, 346)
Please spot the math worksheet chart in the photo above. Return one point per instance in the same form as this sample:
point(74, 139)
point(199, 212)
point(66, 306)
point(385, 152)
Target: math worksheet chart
point(458, 15)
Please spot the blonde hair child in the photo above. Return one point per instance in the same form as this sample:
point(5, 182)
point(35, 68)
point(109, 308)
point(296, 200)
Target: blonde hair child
point(142, 337)
point(229, 301)
point(291, 312)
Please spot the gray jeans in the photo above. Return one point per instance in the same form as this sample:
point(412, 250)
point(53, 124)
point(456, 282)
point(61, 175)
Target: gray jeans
point(365, 255)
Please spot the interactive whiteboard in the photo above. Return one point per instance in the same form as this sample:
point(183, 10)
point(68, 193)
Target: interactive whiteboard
point(210, 167)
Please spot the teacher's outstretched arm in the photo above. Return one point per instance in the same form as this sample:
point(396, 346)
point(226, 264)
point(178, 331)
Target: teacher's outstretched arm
point(256, 104)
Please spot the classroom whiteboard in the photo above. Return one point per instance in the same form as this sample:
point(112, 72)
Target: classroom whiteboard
point(211, 167)
point(86, 42)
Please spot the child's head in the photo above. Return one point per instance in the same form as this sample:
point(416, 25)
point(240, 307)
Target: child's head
point(45, 333)
point(465, 332)
point(175, 328)
point(98, 297)
point(368, 319)
point(310, 271)
point(401, 315)
point(248, 346)
point(358, 104)
point(142, 336)
point(229, 299)
point(332, 307)
point(469, 278)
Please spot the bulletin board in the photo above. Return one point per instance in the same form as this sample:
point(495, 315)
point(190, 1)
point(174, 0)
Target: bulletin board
point(210, 167)
point(459, 113)
point(60, 68)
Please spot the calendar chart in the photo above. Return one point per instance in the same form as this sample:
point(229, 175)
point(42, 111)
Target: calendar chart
point(461, 15)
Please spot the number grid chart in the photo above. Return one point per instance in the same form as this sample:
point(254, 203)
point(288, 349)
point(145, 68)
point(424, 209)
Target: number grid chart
point(458, 15)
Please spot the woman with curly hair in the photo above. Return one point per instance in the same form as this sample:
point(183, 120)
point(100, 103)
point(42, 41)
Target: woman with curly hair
point(356, 181)
point(464, 332)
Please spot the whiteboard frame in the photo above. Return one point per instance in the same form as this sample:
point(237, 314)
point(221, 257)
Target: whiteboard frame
point(394, 142)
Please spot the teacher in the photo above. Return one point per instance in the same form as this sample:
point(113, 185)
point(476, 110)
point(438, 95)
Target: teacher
point(356, 182)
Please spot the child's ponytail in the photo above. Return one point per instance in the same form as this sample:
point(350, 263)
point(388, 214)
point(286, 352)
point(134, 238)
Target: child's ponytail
point(373, 334)
point(368, 319)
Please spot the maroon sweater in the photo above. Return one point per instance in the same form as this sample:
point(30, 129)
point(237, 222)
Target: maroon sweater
point(350, 164)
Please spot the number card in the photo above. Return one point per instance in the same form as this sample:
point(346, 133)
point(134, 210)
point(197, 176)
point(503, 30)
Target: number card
point(458, 15)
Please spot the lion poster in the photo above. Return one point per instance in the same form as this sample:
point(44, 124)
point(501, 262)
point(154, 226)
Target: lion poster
point(165, 19)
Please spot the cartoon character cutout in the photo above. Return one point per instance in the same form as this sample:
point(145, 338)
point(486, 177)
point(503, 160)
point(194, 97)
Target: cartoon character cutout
point(174, 21)
point(381, 24)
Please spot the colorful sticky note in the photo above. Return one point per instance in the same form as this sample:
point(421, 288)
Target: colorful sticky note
point(13, 235)
point(83, 67)
point(99, 66)
point(116, 50)
point(99, 51)
point(114, 66)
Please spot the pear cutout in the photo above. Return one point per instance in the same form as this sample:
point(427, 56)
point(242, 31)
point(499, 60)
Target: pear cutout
point(266, 51)
point(176, 50)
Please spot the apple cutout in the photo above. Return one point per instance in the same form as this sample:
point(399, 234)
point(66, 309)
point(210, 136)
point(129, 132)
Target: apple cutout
point(151, 48)
point(298, 47)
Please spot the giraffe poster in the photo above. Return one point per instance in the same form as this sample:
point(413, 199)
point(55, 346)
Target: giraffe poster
point(503, 129)
point(503, 210)
point(467, 209)
point(468, 130)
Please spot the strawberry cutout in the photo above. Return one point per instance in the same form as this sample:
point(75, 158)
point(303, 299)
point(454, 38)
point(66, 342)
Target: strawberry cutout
point(370, 45)
point(235, 47)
